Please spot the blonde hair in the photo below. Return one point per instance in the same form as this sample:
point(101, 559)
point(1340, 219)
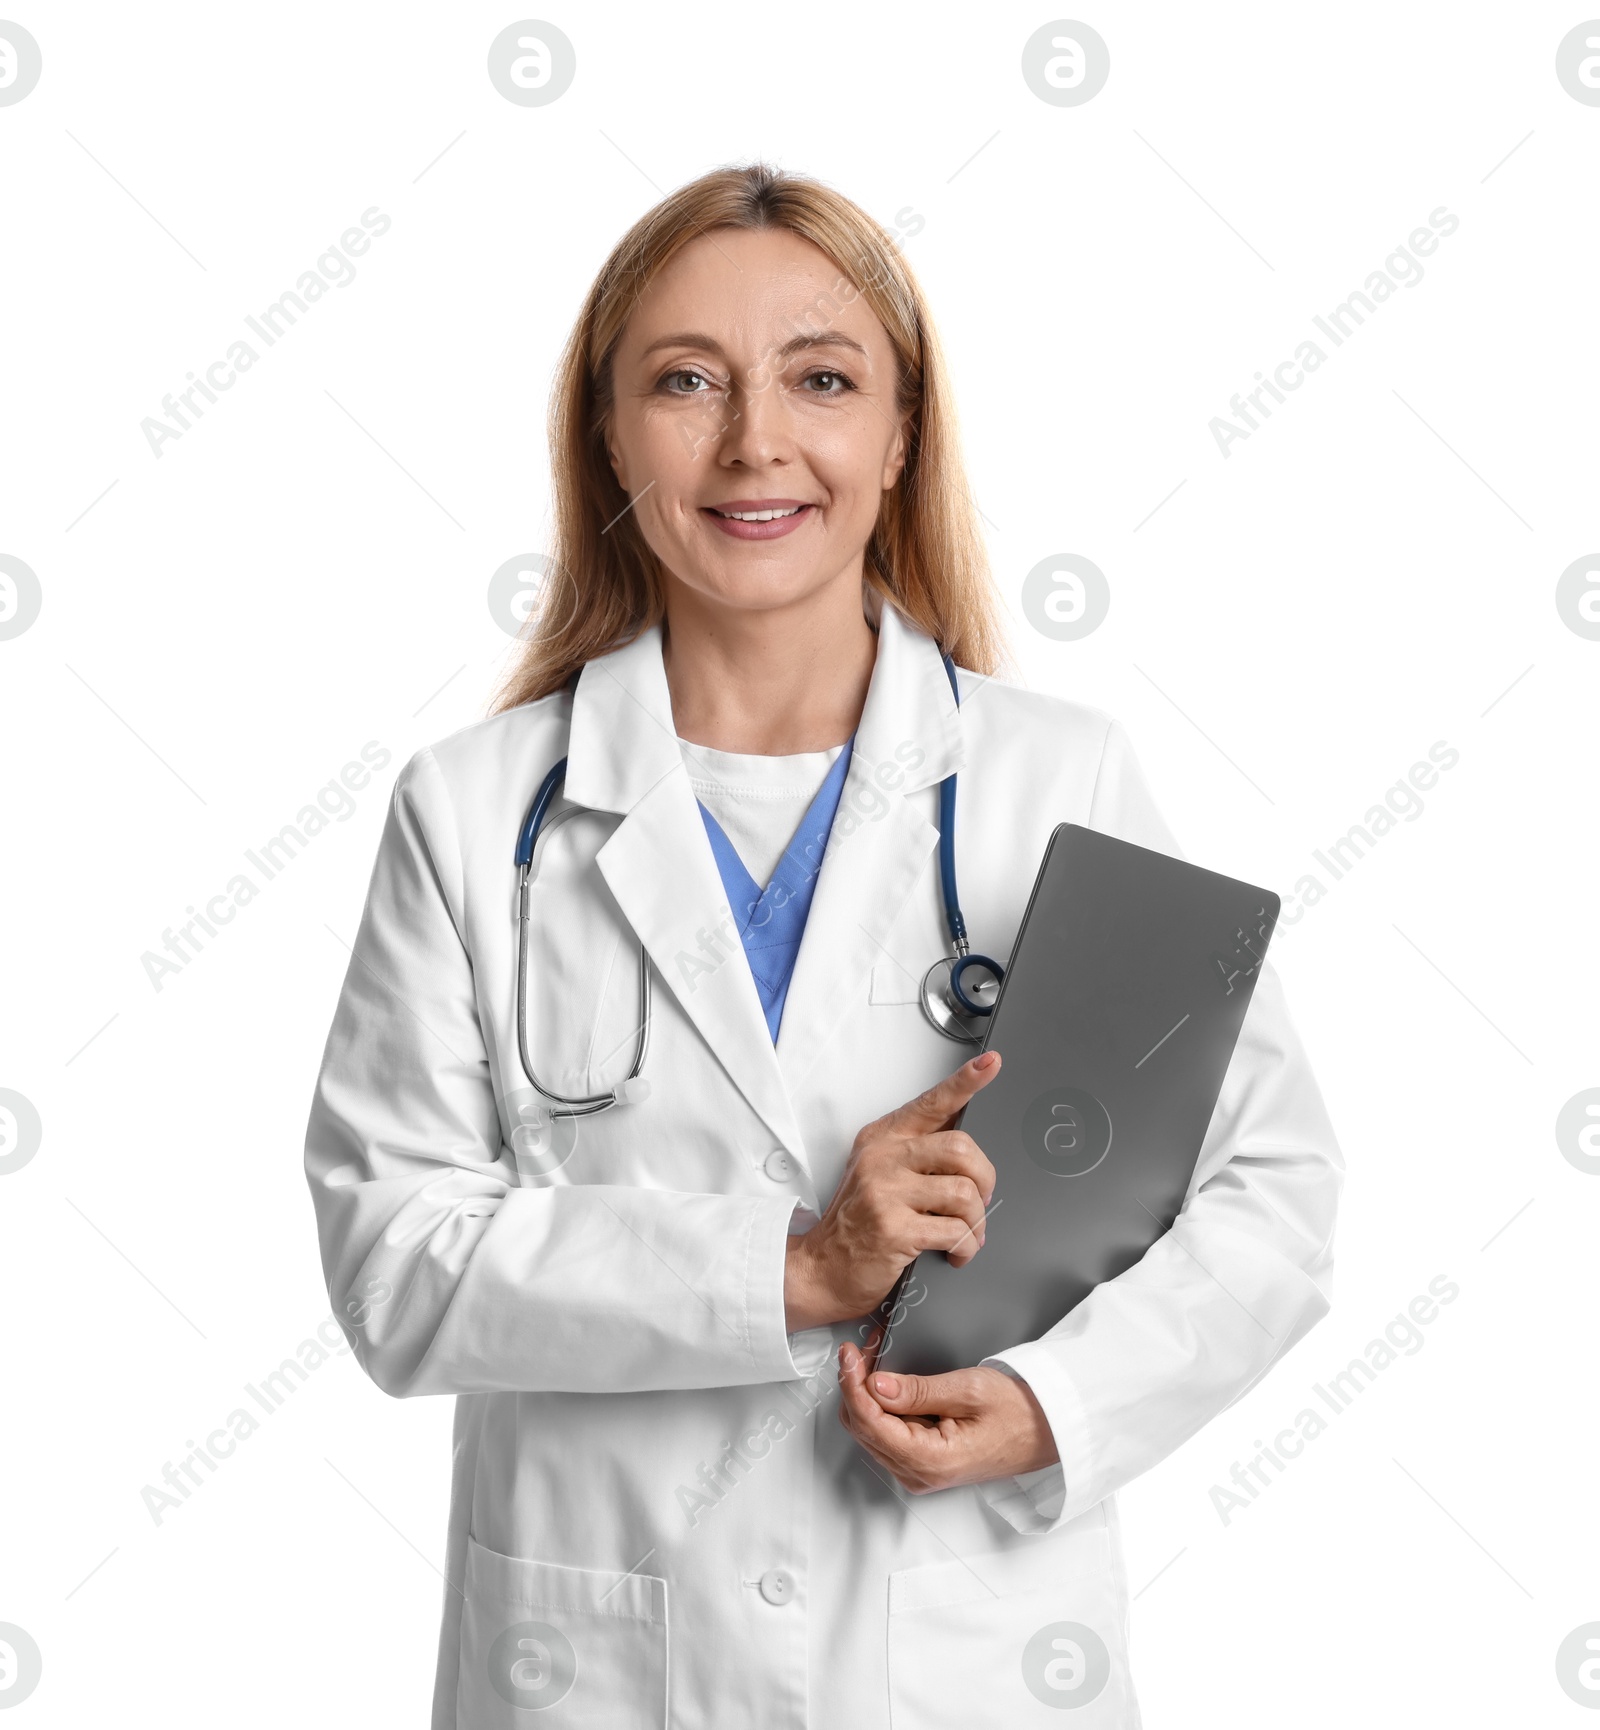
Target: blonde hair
point(603, 586)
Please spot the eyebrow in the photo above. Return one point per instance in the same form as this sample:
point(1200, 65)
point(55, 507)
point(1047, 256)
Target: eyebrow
point(698, 339)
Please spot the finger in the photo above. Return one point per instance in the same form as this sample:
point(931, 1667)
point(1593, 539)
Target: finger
point(915, 1452)
point(898, 1470)
point(947, 1213)
point(952, 1153)
point(900, 1473)
point(891, 1440)
point(947, 1234)
point(858, 1410)
point(934, 1109)
point(953, 1197)
point(871, 1346)
point(947, 1396)
point(866, 1344)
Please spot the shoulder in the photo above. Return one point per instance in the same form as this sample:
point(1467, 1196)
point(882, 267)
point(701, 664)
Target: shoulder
point(999, 710)
point(490, 753)
point(1054, 753)
point(463, 797)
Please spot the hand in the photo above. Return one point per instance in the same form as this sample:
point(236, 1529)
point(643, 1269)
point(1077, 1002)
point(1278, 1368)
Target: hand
point(912, 1184)
point(936, 1432)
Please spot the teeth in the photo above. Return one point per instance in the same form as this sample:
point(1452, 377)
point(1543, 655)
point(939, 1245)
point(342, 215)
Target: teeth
point(759, 516)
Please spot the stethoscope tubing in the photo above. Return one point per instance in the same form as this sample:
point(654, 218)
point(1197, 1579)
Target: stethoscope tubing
point(960, 1004)
point(532, 827)
point(955, 923)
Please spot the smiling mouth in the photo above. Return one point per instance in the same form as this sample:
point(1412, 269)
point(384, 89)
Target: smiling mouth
point(756, 516)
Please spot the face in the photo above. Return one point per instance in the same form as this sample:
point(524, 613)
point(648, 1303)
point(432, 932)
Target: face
point(753, 379)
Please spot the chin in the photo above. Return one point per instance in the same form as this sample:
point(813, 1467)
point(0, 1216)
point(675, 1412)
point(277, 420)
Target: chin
point(756, 590)
point(758, 596)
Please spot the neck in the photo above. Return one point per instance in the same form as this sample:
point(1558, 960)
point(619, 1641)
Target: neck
point(769, 683)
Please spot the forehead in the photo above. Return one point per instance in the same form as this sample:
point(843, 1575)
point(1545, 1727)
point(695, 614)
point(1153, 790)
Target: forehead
point(750, 288)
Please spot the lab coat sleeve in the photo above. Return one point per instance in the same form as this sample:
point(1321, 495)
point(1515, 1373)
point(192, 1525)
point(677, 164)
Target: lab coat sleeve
point(1246, 1270)
point(449, 1276)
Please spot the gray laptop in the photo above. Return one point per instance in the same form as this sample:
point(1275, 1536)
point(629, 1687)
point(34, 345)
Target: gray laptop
point(1119, 1013)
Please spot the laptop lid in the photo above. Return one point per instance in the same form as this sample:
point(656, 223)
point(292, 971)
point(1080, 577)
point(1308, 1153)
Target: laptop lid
point(1120, 1010)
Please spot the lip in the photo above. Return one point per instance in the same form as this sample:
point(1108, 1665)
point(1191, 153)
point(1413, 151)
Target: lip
point(772, 531)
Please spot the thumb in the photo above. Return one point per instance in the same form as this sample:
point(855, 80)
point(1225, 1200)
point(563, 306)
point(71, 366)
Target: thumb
point(934, 1109)
point(921, 1396)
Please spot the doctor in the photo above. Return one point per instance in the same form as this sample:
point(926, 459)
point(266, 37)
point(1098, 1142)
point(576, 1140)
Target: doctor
point(681, 1495)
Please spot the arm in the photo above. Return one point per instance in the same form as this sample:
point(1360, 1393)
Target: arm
point(447, 1274)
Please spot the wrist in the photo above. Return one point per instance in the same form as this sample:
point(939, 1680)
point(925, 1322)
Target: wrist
point(1033, 1443)
point(805, 1299)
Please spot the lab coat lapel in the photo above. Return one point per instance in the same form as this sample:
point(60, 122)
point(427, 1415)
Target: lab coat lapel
point(909, 738)
point(624, 756)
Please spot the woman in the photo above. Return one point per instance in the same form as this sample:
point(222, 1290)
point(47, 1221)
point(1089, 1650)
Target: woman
point(673, 1503)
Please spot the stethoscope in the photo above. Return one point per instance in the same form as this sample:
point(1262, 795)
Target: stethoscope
point(954, 1004)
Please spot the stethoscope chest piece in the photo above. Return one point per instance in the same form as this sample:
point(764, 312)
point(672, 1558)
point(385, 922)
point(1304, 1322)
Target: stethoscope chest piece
point(959, 994)
point(541, 1141)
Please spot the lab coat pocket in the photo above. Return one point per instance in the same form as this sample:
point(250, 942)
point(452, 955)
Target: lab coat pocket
point(889, 982)
point(1034, 1635)
point(584, 1648)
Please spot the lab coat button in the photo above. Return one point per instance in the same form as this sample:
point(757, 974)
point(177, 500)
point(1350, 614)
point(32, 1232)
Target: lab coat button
point(780, 1166)
point(777, 1586)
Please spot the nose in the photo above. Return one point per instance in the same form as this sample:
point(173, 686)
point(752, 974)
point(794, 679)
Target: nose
point(760, 430)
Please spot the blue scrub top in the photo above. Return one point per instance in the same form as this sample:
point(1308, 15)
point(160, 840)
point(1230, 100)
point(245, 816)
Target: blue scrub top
point(772, 921)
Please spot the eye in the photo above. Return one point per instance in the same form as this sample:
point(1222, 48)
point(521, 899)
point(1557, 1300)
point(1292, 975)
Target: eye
point(837, 383)
point(684, 372)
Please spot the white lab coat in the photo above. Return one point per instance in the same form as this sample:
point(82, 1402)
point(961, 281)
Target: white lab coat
point(656, 1516)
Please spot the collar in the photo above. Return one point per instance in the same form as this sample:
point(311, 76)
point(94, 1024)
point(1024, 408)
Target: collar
point(623, 740)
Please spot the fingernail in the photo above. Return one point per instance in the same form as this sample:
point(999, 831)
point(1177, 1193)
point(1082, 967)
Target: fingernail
point(985, 1060)
point(888, 1386)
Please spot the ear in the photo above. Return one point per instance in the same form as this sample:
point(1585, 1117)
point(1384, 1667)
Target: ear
point(614, 453)
point(894, 460)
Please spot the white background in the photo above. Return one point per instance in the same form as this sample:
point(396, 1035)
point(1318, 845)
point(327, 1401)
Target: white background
point(306, 569)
